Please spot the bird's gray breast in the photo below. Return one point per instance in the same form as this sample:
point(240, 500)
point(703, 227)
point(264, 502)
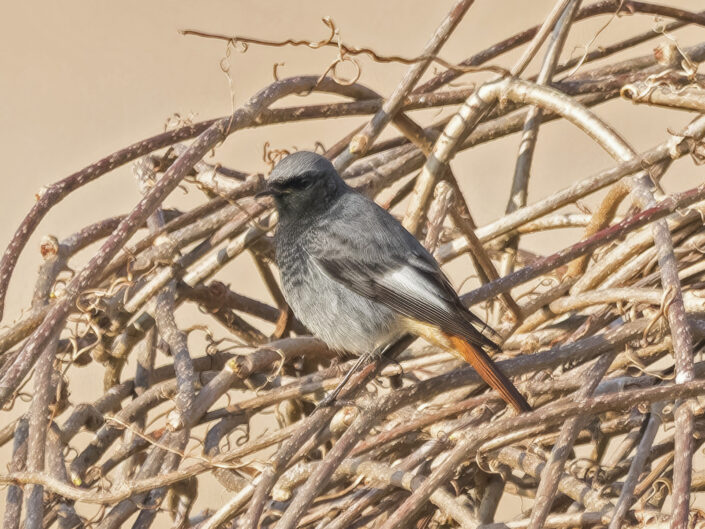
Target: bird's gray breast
point(343, 319)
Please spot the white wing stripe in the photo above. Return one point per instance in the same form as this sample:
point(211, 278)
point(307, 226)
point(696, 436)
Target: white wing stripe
point(408, 281)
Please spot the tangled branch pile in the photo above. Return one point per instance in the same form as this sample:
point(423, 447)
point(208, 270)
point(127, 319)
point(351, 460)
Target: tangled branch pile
point(604, 346)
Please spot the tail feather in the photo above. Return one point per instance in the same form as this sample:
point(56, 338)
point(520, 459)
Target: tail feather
point(490, 373)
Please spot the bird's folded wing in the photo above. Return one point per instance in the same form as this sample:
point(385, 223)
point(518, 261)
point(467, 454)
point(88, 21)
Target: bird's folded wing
point(410, 283)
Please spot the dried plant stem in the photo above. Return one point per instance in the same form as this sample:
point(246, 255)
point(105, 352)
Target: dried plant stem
point(527, 144)
point(366, 137)
point(551, 262)
point(682, 145)
point(637, 466)
point(551, 473)
point(462, 124)
point(688, 98)
point(38, 426)
point(13, 499)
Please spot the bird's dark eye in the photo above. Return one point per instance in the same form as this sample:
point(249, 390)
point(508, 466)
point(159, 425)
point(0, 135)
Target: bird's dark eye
point(302, 182)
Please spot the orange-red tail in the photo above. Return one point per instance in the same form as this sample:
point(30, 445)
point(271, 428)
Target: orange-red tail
point(490, 373)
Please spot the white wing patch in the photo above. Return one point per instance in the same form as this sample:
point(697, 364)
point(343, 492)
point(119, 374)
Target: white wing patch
point(406, 280)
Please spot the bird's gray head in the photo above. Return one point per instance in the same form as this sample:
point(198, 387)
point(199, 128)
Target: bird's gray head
point(304, 182)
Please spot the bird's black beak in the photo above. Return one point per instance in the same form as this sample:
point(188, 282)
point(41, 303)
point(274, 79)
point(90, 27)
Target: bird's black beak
point(268, 192)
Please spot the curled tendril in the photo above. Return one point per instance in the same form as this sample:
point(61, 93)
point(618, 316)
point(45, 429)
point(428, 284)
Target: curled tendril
point(346, 53)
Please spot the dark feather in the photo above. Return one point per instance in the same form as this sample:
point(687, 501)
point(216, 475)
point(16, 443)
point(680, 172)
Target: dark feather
point(392, 268)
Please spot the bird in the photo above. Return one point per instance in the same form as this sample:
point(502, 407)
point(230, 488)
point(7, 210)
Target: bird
point(358, 280)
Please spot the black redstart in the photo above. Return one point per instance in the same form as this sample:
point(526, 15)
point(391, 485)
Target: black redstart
point(358, 280)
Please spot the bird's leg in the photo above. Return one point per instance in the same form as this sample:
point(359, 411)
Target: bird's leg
point(333, 395)
point(378, 353)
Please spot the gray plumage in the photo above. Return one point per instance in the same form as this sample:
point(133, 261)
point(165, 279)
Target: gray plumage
point(349, 270)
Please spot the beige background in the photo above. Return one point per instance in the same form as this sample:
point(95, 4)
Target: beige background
point(81, 79)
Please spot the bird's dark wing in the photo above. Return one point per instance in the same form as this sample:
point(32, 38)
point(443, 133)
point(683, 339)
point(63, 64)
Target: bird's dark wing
point(368, 251)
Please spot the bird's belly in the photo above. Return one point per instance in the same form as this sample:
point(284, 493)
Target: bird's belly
point(346, 321)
